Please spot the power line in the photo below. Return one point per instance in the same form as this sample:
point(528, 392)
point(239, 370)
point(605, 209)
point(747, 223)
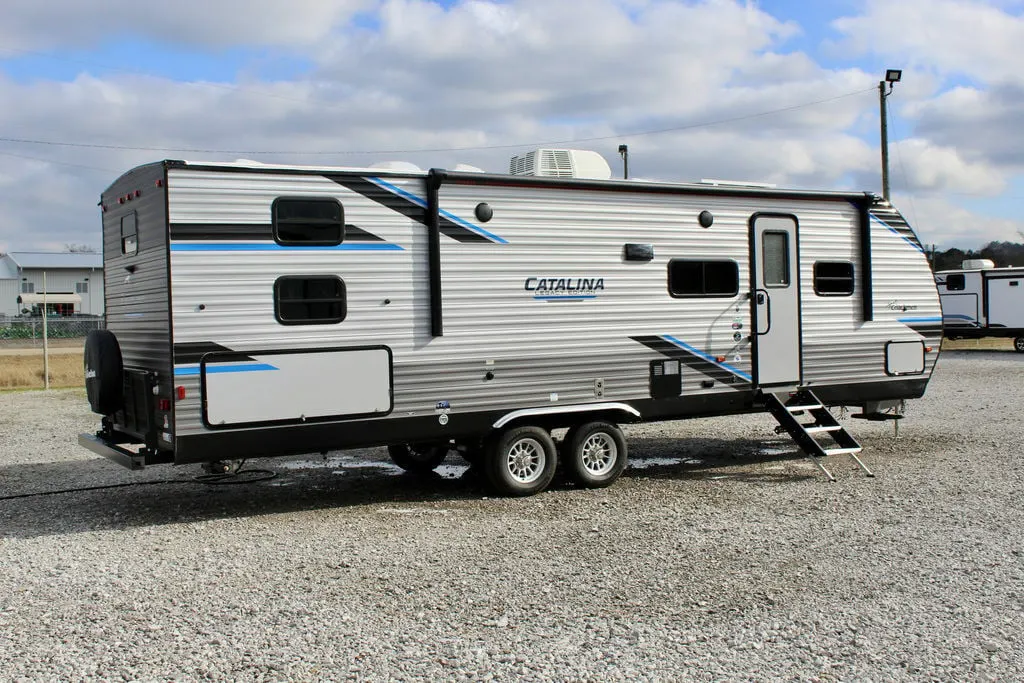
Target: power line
point(618, 136)
point(60, 163)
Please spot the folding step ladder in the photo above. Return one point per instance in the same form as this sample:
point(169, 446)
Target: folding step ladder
point(806, 433)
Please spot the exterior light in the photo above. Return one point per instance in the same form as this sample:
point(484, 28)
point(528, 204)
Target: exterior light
point(893, 75)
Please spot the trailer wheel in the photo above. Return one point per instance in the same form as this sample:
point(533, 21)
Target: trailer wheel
point(595, 454)
point(1018, 344)
point(418, 458)
point(520, 461)
point(104, 372)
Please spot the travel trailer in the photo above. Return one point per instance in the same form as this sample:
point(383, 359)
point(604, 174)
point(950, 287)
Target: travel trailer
point(981, 300)
point(261, 310)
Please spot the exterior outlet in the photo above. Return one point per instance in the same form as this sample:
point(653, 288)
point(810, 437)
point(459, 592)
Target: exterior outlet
point(599, 388)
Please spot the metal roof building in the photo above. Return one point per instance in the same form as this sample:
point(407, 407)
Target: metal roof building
point(73, 282)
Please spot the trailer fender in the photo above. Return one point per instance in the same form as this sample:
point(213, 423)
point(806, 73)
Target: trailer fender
point(565, 410)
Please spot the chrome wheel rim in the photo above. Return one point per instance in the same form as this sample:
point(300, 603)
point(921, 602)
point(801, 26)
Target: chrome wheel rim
point(525, 460)
point(599, 453)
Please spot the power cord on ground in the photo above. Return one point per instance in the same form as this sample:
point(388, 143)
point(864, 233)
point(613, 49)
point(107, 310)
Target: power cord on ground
point(234, 475)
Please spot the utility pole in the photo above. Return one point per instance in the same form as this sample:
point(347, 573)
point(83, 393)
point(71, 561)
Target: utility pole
point(46, 347)
point(624, 153)
point(891, 76)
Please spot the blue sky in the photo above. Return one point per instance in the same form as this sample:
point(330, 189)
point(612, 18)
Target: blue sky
point(303, 77)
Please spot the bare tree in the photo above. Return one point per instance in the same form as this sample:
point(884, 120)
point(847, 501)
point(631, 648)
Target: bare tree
point(79, 249)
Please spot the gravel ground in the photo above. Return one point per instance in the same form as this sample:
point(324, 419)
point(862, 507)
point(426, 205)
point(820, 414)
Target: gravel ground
point(721, 554)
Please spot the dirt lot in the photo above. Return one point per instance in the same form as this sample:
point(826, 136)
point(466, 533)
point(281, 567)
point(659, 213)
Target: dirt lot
point(721, 554)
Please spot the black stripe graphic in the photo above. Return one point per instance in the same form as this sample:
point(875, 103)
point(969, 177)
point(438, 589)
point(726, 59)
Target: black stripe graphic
point(247, 232)
point(693, 361)
point(406, 207)
point(897, 222)
point(192, 352)
point(926, 329)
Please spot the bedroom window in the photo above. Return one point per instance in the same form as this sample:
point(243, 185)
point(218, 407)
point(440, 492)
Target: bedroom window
point(313, 300)
point(309, 222)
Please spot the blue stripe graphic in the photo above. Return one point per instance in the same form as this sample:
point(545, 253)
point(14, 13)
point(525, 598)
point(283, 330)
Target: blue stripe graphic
point(906, 321)
point(897, 233)
point(214, 369)
point(450, 216)
point(703, 356)
point(475, 228)
point(273, 246)
point(555, 297)
point(956, 316)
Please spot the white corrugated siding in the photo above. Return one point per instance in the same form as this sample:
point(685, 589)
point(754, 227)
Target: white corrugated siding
point(535, 349)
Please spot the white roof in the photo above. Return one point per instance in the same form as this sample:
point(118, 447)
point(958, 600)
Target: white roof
point(7, 269)
point(41, 259)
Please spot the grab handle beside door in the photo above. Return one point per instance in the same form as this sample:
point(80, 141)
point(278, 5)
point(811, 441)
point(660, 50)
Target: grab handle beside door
point(763, 309)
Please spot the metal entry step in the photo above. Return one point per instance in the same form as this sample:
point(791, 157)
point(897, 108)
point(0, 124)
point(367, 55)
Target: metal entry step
point(804, 401)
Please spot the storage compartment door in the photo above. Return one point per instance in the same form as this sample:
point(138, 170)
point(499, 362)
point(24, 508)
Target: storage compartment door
point(1006, 302)
point(295, 386)
point(904, 358)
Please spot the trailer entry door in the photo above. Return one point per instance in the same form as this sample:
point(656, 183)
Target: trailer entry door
point(776, 300)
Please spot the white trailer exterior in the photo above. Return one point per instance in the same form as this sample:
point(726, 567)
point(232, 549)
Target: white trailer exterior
point(983, 302)
point(457, 306)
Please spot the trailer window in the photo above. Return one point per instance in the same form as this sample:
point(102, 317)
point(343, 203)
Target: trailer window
point(775, 248)
point(955, 282)
point(833, 278)
point(318, 300)
point(129, 234)
point(703, 278)
point(318, 222)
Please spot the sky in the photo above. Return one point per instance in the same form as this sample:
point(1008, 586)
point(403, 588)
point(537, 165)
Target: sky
point(775, 91)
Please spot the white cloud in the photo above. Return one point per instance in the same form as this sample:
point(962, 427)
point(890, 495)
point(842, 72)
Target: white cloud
point(954, 37)
point(479, 73)
point(984, 125)
point(46, 24)
point(940, 221)
point(920, 165)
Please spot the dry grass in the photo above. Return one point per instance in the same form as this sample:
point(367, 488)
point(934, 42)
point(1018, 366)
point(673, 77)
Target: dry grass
point(990, 344)
point(26, 371)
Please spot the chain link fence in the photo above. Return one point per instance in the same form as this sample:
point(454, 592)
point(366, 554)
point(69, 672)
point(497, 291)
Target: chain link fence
point(27, 332)
point(21, 350)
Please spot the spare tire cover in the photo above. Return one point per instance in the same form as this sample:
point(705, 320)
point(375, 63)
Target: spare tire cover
point(104, 372)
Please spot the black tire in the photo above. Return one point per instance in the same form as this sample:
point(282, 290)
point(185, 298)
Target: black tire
point(1018, 344)
point(520, 461)
point(594, 454)
point(418, 458)
point(104, 372)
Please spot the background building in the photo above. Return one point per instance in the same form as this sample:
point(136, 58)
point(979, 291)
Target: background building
point(74, 283)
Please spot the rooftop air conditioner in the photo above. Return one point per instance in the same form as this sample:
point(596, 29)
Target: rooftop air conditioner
point(561, 163)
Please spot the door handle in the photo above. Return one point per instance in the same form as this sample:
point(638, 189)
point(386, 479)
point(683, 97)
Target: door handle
point(760, 299)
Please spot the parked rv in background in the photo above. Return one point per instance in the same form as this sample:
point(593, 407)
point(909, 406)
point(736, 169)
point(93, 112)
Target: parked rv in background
point(258, 310)
point(980, 300)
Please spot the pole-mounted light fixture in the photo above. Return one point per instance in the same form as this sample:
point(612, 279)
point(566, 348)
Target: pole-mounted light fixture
point(892, 76)
point(624, 153)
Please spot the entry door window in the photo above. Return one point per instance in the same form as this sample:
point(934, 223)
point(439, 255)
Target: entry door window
point(776, 259)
